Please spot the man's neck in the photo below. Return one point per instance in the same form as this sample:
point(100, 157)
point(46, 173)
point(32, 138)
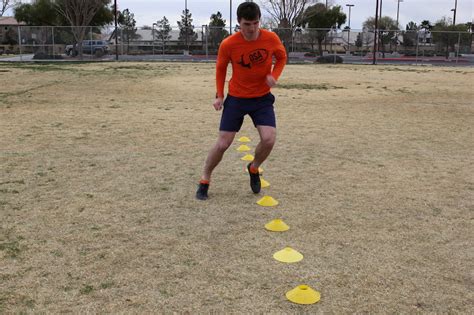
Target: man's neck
point(254, 37)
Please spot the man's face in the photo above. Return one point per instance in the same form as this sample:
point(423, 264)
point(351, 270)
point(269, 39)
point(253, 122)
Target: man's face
point(249, 29)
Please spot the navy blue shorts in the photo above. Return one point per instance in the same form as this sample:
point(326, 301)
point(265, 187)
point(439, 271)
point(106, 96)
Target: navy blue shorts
point(260, 109)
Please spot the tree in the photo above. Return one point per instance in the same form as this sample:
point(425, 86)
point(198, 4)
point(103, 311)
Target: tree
point(81, 13)
point(38, 13)
point(387, 30)
point(186, 29)
point(426, 25)
point(410, 35)
point(287, 15)
point(127, 23)
point(217, 32)
point(6, 5)
point(359, 41)
point(447, 35)
point(163, 31)
point(322, 20)
point(311, 37)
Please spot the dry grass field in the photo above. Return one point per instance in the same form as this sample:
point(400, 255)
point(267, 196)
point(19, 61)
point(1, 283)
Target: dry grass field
point(373, 169)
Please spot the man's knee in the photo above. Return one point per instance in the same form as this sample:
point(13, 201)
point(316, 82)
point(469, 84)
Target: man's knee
point(223, 144)
point(268, 138)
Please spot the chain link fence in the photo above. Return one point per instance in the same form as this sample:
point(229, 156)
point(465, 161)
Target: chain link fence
point(303, 45)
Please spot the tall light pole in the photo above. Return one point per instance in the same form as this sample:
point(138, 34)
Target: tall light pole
point(380, 15)
point(230, 14)
point(349, 30)
point(398, 15)
point(398, 10)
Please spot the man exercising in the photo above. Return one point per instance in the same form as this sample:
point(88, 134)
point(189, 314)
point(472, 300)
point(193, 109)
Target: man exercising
point(251, 53)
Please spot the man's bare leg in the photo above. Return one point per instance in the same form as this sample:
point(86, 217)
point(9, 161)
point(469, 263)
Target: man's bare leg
point(217, 152)
point(265, 146)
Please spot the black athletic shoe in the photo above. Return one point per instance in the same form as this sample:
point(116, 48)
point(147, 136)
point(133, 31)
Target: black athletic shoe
point(254, 180)
point(201, 193)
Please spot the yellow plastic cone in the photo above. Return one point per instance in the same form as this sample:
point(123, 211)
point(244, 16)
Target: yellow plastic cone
point(277, 225)
point(244, 139)
point(303, 294)
point(267, 201)
point(247, 157)
point(243, 148)
point(260, 170)
point(264, 183)
point(288, 255)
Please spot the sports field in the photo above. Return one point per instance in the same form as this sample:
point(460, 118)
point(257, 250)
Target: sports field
point(373, 169)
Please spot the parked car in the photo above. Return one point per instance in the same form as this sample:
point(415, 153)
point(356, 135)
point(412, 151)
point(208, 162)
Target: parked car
point(329, 59)
point(96, 47)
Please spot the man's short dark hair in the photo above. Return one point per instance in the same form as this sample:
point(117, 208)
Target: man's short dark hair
point(249, 11)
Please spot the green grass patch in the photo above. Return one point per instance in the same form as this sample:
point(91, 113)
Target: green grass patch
point(86, 289)
point(404, 70)
point(303, 86)
point(107, 285)
point(11, 249)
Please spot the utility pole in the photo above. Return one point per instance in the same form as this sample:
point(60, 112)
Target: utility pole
point(455, 10)
point(376, 31)
point(230, 23)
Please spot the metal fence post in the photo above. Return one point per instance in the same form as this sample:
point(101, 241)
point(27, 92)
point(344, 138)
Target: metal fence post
point(19, 42)
point(121, 39)
point(207, 42)
point(52, 31)
point(459, 45)
point(417, 45)
point(92, 46)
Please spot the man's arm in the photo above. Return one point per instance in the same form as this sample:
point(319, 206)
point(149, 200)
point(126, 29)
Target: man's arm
point(223, 58)
point(280, 56)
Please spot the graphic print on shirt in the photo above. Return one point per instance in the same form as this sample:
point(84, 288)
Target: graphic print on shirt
point(255, 57)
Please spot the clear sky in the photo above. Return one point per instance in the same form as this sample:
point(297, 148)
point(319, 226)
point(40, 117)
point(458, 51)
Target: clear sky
point(149, 11)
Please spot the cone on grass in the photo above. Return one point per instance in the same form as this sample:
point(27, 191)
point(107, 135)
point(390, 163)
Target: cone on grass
point(243, 148)
point(288, 255)
point(267, 201)
point(277, 225)
point(247, 157)
point(264, 183)
point(244, 139)
point(303, 294)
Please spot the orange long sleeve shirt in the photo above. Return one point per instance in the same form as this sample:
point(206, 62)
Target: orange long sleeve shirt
point(251, 63)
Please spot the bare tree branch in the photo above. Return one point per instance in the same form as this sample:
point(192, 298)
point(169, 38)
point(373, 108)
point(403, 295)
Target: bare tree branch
point(7, 4)
point(286, 12)
point(79, 13)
